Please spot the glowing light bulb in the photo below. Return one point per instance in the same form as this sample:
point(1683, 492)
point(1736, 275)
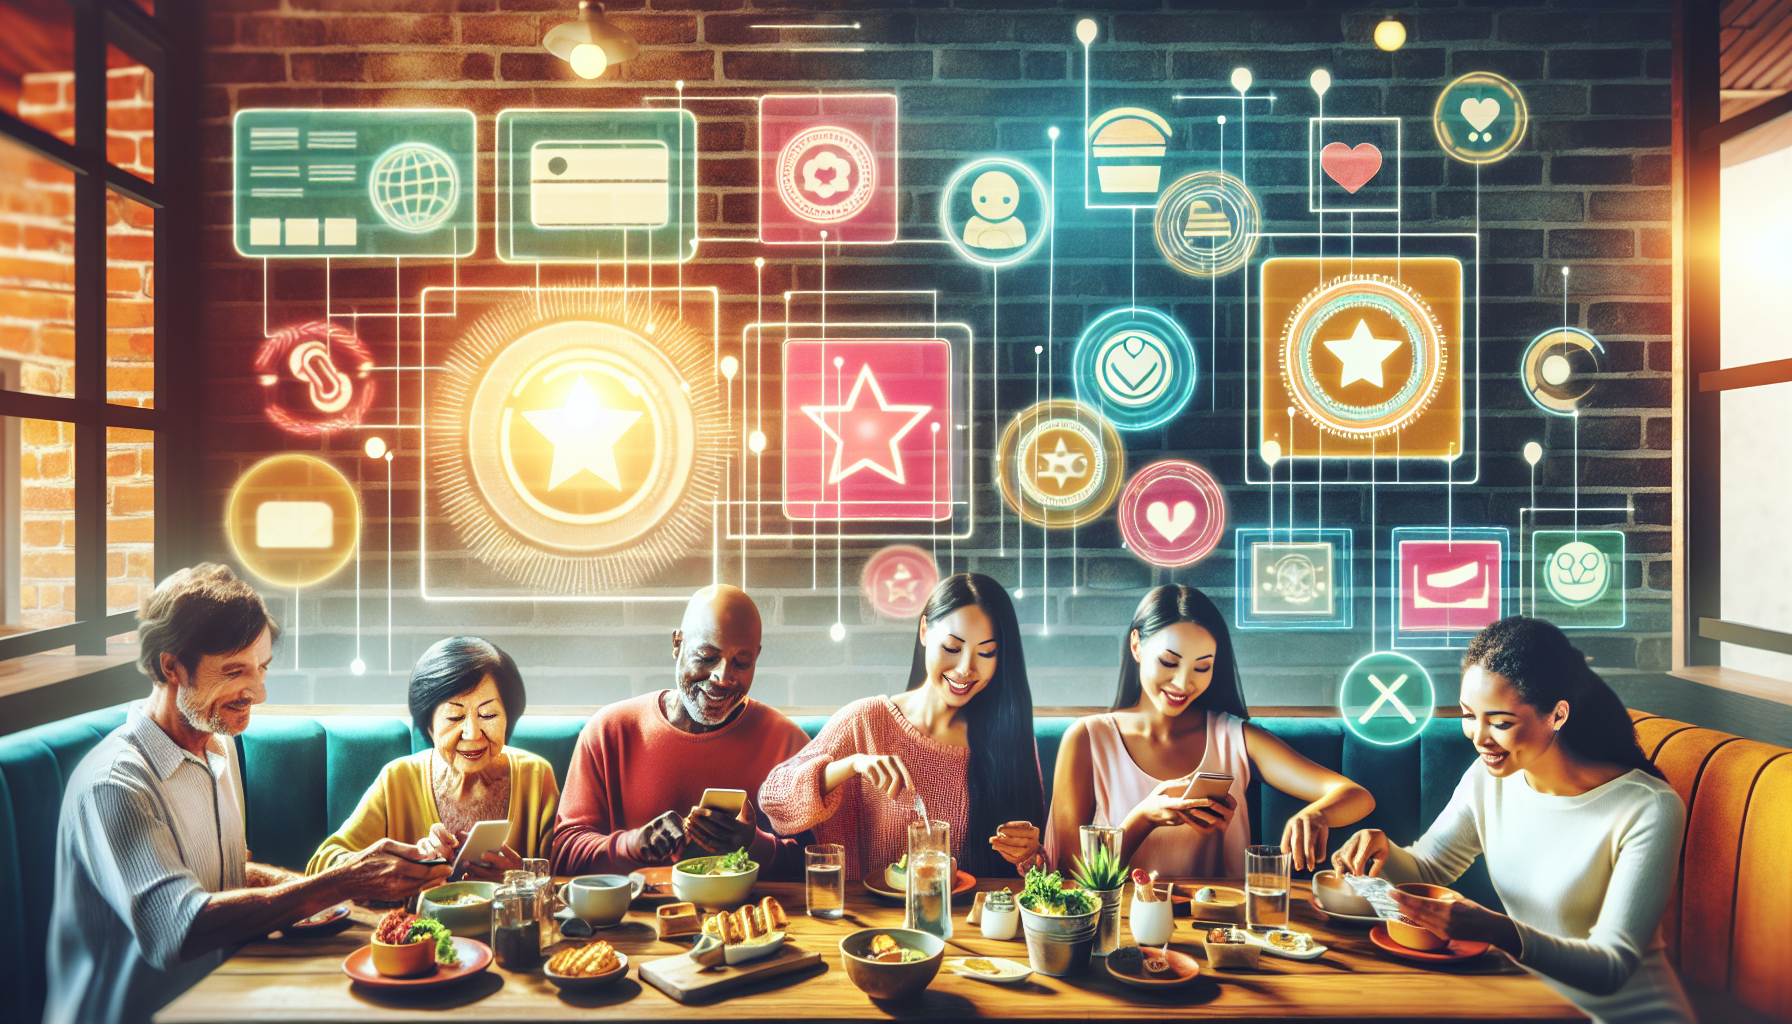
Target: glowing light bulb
point(358, 667)
point(756, 441)
point(1086, 30)
point(1533, 452)
point(1272, 452)
point(1321, 80)
point(1241, 79)
point(588, 60)
point(838, 632)
point(1390, 35)
point(1052, 132)
point(375, 448)
point(729, 366)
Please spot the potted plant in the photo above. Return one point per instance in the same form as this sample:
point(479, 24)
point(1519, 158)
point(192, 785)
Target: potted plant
point(1060, 923)
point(1104, 875)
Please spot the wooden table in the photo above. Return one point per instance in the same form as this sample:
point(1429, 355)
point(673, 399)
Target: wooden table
point(302, 980)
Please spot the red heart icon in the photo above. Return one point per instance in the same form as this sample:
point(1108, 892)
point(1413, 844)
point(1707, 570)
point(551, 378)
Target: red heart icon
point(1351, 168)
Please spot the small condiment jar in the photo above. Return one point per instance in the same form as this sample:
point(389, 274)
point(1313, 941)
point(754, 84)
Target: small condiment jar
point(1001, 918)
point(516, 927)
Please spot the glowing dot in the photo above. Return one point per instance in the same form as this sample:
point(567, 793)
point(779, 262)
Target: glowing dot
point(1052, 132)
point(729, 366)
point(1241, 79)
point(1037, 349)
point(1321, 80)
point(1390, 35)
point(1533, 452)
point(756, 441)
point(1556, 370)
point(1272, 452)
point(1221, 119)
point(679, 84)
point(375, 447)
point(1085, 31)
point(1021, 592)
point(388, 456)
point(650, 328)
point(837, 631)
point(1564, 271)
point(358, 667)
point(760, 262)
point(686, 386)
point(588, 60)
point(839, 362)
point(824, 236)
point(935, 425)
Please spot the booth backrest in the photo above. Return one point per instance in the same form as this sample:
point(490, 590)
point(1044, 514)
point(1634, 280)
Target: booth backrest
point(302, 777)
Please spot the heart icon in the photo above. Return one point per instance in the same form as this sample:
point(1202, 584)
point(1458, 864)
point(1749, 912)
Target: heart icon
point(1171, 524)
point(1480, 113)
point(1352, 168)
point(1133, 373)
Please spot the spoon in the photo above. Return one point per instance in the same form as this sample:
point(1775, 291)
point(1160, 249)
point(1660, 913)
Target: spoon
point(1151, 884)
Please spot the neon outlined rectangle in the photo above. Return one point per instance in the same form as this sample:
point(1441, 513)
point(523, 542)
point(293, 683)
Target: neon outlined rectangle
point(1315, 127)
point(1408, 639)
point(1546, 544)
point(888, 200)
point(1246, 541)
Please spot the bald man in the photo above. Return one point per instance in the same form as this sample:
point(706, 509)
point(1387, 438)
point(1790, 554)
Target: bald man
point(642, 764)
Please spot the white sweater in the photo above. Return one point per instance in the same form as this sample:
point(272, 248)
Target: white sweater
point(1584, 878)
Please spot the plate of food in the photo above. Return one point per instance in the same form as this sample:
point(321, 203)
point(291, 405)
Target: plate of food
point(1152, 968)
point(993, 969)
point(879, 883)
point(408, 951)
point(329, 917)
point(1285, 943)
point(750, 933)
point(583, 968)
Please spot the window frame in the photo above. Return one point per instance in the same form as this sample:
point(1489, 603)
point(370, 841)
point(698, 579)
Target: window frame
point(99, 24)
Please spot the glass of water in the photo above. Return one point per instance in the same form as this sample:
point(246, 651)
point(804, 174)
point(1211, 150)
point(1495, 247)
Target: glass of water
point(1266, 886)
point(1093, 837)
point(824, 879)
point(928, 903)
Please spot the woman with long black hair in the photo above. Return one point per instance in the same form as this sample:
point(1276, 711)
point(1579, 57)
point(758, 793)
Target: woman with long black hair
point(1179, 711)
point(960, 737)
point(1580, 832)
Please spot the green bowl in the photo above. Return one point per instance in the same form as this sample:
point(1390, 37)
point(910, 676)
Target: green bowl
point(468, 922)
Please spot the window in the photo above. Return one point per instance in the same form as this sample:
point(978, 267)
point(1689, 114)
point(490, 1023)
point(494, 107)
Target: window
point(78, 318)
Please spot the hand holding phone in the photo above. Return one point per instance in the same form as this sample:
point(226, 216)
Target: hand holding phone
point(485, 837)
point(1208, 785)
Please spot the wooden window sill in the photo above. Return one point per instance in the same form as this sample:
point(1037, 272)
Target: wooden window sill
point(1737, 681)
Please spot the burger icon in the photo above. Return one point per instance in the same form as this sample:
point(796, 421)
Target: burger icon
point(1127, 144)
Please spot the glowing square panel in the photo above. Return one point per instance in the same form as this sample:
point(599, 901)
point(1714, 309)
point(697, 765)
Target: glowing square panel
point(1293, 579)
point(868, 429)
point(827, 164)
point(1449, 584)
point(1577, 578)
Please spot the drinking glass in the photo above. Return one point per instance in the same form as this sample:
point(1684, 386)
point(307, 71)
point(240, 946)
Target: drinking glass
point(928, 903)
point(825, 879)
point(547, 900)
point(1266, 887)
point(1093, 837)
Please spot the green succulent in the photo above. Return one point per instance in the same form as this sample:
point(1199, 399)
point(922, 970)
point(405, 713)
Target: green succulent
point(1102, 872)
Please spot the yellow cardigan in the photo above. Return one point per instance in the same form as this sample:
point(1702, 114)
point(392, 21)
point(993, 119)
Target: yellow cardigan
point(400, 805)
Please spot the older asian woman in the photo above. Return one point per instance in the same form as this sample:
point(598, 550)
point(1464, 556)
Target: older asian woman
point(466, 696)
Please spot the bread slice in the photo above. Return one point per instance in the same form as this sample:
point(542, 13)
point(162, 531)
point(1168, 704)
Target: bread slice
point(775, 920)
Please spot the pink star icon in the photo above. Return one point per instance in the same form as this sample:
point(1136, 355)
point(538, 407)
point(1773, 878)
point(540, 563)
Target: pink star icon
point(866, 434)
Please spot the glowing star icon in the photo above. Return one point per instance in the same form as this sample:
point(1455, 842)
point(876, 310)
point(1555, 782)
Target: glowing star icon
point(1362, 354)
point(584, 435)
point(870, 435)
point(1062, 464)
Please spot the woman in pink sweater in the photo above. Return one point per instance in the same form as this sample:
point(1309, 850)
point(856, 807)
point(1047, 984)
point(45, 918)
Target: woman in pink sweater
point(961, 737)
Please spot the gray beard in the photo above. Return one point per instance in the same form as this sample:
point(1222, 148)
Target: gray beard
point(201, 719)
point(693, 706)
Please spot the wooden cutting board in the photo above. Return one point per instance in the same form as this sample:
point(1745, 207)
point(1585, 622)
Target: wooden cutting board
point(681, 978)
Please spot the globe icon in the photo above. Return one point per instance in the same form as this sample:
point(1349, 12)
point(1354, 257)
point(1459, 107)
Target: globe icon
point(414, 186)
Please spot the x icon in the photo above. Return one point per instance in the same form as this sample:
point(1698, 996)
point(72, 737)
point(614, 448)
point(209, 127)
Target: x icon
point(1387, 697)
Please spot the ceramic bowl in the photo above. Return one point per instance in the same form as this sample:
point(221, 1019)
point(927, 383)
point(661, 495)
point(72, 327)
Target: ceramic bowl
point(410, 960)
point(713, 892)
point(1337, 897)
point(1227, 905)
point(1412, 936)
point(891, 981)
point(469, 922)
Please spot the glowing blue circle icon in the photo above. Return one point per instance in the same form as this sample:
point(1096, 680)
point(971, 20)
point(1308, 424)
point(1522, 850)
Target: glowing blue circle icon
point(995, 211)
point(1136, 366)
point(1386, 699)
point(414, 187)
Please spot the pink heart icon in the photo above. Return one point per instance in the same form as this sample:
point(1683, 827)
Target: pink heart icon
point(1351, 168)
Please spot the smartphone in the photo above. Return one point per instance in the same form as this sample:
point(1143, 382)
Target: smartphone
point(485, 837)
point(727, 801)
point(1211, 785)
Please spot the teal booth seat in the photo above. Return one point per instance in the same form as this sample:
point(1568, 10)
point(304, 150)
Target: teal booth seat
point(302, 776)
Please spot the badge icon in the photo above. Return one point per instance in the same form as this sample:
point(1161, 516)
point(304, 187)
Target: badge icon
point(570, 451)
point(1452, 586)
point(1207, 224)
point(1582, 577)
point(1059, 464)
point(1127, 145)
point(827, 163)
point(1172, 513)
point(1561, 368)
point(316, 378)
point(1293, 579)
point(1363, 356)
point(1479, 118)
point(1386, 698)
point(995, 211)
point(1136, 366)
point(898, 580)
point(868, 429)
point(293, 520)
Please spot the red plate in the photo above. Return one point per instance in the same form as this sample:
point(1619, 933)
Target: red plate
point(1456, 950)
point(962, 882)
point(475, 956)
point(1183, 969)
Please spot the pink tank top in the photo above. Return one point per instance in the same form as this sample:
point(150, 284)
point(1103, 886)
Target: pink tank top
point(1176, 852)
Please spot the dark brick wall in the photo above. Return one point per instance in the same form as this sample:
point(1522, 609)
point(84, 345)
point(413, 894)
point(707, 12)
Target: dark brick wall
point(1588, 189)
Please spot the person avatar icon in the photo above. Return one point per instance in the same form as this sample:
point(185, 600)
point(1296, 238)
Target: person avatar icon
point(996, 198)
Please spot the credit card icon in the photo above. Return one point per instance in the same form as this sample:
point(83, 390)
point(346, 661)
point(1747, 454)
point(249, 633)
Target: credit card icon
point(600, 183)
point(294, 524)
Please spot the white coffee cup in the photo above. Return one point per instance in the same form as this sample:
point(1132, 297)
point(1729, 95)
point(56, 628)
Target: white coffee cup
point(598, 900)
point(1150, 923)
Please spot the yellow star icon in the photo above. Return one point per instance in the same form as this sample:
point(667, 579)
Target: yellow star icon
point(1362, 355)
point(584, 435)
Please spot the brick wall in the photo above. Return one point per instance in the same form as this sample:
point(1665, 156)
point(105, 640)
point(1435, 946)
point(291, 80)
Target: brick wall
point(37, 334)
point(1589, 189)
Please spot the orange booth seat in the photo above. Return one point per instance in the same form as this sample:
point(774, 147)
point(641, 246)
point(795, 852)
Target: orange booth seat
point(1728, 925)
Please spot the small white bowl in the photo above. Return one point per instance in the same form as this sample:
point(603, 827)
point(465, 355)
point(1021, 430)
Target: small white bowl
point(748, 952)
point(713, 892)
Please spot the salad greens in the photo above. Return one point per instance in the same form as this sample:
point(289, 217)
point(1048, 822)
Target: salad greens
point(429, 927)
point(1045, 894)
point(735, 863)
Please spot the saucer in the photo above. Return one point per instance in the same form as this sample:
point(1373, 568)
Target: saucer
point(577, 927)
point(1458, 949)
point(1347, 918)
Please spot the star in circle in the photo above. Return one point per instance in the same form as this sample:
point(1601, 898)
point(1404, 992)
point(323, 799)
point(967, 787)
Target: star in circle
point(1061, 465)
point(583, 434)
point(1362, 354)
point(869, 434)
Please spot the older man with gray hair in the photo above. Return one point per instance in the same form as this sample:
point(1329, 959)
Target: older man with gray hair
point(638, 775)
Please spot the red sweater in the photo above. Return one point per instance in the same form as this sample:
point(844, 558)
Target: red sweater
point(632, 765)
